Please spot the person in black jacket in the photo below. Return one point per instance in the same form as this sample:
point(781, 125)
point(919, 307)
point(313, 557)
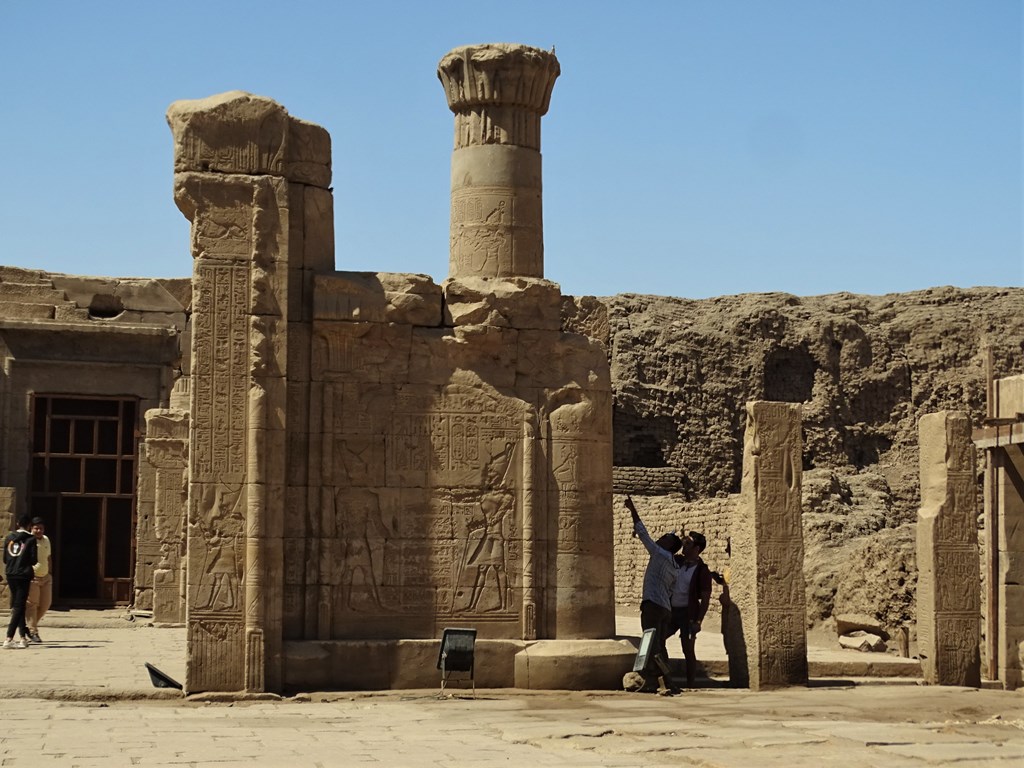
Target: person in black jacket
point(20, 554)
point(690, 598)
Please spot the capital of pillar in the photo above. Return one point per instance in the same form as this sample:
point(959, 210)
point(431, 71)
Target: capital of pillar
point(498, 92)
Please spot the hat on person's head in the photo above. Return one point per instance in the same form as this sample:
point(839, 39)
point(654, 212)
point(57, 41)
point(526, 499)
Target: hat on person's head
point(672, 540)
point(698, 539)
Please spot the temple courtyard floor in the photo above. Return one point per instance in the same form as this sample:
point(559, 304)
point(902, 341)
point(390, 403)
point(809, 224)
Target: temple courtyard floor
point(84, 698)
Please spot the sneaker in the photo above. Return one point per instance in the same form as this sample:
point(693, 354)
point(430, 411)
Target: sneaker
point(8, 643)
point(34, 636)
point(20, 643)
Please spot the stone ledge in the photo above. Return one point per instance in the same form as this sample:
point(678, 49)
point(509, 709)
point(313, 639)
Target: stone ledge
point(574, 664)
point(320, 665)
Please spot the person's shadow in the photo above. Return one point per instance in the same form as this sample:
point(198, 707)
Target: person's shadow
point(735, 645)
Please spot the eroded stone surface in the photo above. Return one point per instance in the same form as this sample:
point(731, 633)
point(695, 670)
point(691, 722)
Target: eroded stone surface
point(161, 512)
point(767, 582)
point(948, 586)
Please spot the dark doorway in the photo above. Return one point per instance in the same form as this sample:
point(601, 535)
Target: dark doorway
point(83, 486)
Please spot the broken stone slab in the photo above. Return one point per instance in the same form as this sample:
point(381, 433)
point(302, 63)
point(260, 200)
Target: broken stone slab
point(862, 641)
point(513, 302)
point(849, 623)
point(70, 314)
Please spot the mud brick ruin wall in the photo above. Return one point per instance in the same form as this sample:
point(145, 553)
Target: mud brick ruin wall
point(865, 368)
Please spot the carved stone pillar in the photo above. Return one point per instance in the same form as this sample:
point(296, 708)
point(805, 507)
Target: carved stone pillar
point(254, 182)
point(768, 553)
point(948, 583)
point(498, 93)
point(167, 449)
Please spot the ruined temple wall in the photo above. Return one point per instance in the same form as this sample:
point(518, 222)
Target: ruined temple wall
point(465, 455)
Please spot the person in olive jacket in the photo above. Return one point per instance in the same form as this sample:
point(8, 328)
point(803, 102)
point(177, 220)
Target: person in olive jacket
point(20, 554)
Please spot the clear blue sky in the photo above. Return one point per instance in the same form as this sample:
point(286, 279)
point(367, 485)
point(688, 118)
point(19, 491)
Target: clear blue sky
point(692, 148)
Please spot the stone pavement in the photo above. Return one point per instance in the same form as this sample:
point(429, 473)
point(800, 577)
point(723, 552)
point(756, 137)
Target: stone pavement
point(83, 698)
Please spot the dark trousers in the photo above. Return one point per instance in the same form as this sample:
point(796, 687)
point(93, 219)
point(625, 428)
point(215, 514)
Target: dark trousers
point(19, 596)
point(687, 638)
point(654, 616)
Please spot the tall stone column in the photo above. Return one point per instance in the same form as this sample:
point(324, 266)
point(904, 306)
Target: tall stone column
point(768, 553)
point(948, 583)
point(254, 182)
point(498, 92)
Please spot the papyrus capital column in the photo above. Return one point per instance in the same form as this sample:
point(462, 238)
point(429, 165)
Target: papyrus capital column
point(498, 92)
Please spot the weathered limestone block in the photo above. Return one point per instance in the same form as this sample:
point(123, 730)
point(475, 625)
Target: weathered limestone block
point(486, 352)
point(847, 623)
point(551, 359)
point(948, 582)
point(23, 311)
point(237, 132)
point(767, 586)
point(412, 299)
point(498, 92)
point(360, 351)
point(31, 293)
point(587, 316)
point(518, 302)
point(373, 297)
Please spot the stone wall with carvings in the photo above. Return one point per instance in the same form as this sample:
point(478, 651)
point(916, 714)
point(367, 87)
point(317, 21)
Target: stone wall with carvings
point(465, 463)
point(375, 456)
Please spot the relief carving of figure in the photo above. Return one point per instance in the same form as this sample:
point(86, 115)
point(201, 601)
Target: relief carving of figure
point(364, 537)
point(221, 575)
point(483, 568)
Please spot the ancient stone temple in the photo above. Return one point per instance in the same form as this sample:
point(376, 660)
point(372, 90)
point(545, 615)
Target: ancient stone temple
point(766, 629)
point(948, 587)
point(374, 457)
point(81, 360)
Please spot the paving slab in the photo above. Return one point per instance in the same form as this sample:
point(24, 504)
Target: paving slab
point(84, 698)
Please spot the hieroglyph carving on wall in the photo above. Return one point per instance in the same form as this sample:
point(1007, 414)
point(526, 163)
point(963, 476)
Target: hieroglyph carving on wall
point(438, 534)
point(767, 551)
point(948, 582)
point(220, 391)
